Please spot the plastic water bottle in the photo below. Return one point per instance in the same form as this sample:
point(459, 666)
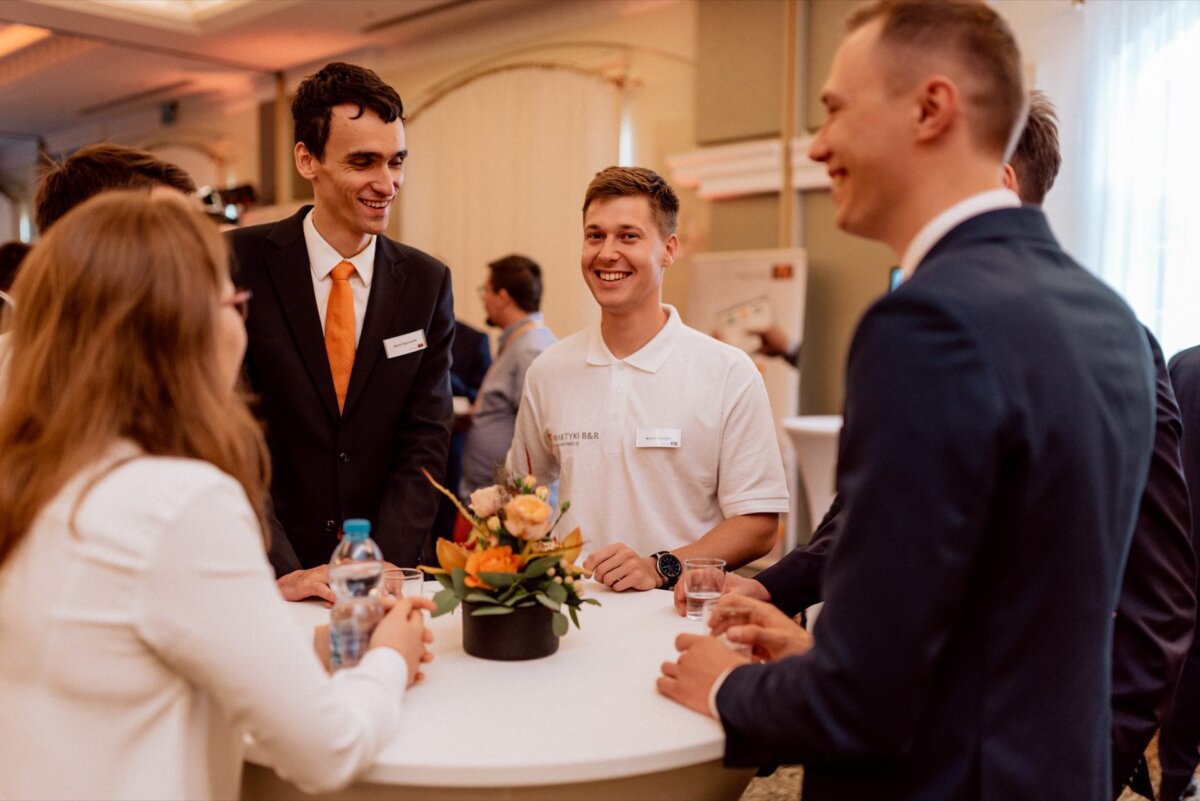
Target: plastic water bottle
point(355, 573)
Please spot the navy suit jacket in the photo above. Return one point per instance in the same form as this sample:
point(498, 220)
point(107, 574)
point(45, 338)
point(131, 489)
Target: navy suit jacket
point(1156, 607)
point(998, 425)
point(367, 461)
point(1180, 737)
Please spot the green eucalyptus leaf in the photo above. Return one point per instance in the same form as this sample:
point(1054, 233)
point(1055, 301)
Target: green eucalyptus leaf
point(445, 601)
point(549, 603)
point(492, 610)
point(499, 580)
point(445, 580)
point(559, 624)
point(459, 577)
point(477, 597)
point(574, 615)
point(557, 592)
point(539, 566)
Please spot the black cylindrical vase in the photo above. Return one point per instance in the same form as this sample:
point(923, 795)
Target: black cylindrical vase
point(526, 633)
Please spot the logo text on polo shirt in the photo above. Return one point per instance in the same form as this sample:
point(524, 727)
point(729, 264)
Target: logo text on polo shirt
point(567, 439)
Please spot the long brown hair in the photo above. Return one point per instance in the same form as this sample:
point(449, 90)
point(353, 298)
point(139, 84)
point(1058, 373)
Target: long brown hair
point(114, 336)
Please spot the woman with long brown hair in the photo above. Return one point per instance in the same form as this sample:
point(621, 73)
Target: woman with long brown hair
point(141, 632)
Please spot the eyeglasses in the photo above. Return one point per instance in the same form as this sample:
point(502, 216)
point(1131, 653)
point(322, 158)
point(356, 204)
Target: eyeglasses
point(483, 290)
point(240, 301)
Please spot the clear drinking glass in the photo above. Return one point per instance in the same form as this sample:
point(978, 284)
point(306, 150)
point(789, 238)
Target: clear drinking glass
point(703, 583)
point(404, 581)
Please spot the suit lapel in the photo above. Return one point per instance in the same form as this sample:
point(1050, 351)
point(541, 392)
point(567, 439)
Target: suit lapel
point(382, 307)
point(292, 276)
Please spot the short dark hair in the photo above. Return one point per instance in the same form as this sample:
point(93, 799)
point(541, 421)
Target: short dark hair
point(521, 278)
point(626, 181)
point(11, 256)
point(977, 38)
point(1037, 159)
point(336, 84)
point(100, 168)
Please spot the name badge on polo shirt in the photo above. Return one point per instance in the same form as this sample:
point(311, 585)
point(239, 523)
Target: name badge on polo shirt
point(659, 437)
point(404, 344)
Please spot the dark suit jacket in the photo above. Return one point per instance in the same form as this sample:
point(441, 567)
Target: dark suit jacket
point(472, 357)
point(1180, 736)
point(998, 426)
point(1156, 607)
point(367, 461)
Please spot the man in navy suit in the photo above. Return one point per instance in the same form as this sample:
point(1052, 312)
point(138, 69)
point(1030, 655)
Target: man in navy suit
point(1180, 736)
point(349, 339)
point(998, 424)
point(1156, 607)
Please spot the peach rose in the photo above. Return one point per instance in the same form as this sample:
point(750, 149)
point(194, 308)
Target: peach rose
point(494, 560)
point(527, 517)
point(485, 502)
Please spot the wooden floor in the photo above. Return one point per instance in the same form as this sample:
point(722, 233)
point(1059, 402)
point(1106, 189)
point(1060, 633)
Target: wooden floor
point(784, 784)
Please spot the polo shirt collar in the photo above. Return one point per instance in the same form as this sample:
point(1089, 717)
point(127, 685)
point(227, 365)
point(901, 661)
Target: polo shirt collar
point(651, 356)
point(535, 317)
point(322, 257)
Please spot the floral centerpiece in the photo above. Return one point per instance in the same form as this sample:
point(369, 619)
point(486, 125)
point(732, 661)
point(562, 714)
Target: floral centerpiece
point(511, 563)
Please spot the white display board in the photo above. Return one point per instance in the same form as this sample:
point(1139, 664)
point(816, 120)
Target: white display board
point(735, 293)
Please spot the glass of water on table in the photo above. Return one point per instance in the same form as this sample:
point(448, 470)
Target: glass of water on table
point(703, 583)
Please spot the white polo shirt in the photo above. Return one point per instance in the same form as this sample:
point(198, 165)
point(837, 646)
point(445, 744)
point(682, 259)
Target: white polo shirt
point(653, 450)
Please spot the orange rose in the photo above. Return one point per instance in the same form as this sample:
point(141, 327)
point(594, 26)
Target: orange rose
point(494, 560)
point(527, 517)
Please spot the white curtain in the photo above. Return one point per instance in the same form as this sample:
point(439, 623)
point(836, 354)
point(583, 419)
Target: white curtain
point(1142, 120)
point(500, 166)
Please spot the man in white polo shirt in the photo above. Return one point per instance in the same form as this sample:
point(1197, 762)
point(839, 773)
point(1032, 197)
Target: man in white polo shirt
point(661, 437)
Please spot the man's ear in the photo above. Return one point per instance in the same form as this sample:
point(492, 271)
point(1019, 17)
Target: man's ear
point(939, 106)
point(1009, 177)
point(306, 162)
point(670, 247)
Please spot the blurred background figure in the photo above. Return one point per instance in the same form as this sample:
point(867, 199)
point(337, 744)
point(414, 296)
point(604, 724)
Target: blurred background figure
point(512, 297)
point(144, 635)
point(11, 256)
point(470, 358)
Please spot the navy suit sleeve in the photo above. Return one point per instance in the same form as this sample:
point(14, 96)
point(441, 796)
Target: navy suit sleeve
point(922, 423)
point(422, 437)
point(795, 580)
point(1157, 604)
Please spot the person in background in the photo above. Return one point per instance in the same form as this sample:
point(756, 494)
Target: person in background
point(87, 172)
point(661, 436)
point(144, 637)
point(512, 297)
point(471, 356)
point(1156, 606)
point(999, 419)
point(11, 256)
point(349, 352)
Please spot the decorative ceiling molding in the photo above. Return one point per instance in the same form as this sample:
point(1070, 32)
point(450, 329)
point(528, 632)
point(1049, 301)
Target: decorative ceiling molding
point(721, 172)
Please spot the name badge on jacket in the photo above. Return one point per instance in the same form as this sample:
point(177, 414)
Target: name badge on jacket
point(659, 437)
point(404, 344)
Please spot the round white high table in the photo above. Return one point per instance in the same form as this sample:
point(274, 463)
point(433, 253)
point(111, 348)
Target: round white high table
point(815, 442)
point(584, 723)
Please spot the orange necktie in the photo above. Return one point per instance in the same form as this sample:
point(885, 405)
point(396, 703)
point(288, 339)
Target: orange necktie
point(339, 329)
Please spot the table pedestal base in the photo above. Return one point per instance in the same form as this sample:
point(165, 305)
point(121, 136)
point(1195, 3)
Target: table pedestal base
point(708, 781)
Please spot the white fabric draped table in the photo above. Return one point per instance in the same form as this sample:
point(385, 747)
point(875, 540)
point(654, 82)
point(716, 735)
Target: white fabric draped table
point(815, 441)
point(584, 723)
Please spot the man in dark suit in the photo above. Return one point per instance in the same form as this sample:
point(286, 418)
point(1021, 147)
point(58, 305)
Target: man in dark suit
point(1180, 736)
point(349, 339)
point(1156, 607)
point(472, 356)
point(998, 425)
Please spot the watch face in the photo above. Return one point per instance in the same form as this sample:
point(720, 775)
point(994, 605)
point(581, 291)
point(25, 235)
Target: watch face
point(669, 566)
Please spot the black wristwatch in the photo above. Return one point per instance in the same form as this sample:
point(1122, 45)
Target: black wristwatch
point(668, 566)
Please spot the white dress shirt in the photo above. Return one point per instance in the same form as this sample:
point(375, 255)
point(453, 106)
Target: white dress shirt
point(322, 258)
point(960, 212)
point(143, 638)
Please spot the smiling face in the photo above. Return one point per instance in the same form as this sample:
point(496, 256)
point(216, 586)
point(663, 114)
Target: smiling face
point(863, 139)
point(357, 180)
point(624, 255)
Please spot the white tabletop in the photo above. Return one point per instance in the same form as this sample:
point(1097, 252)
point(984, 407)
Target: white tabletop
point(588, 712)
